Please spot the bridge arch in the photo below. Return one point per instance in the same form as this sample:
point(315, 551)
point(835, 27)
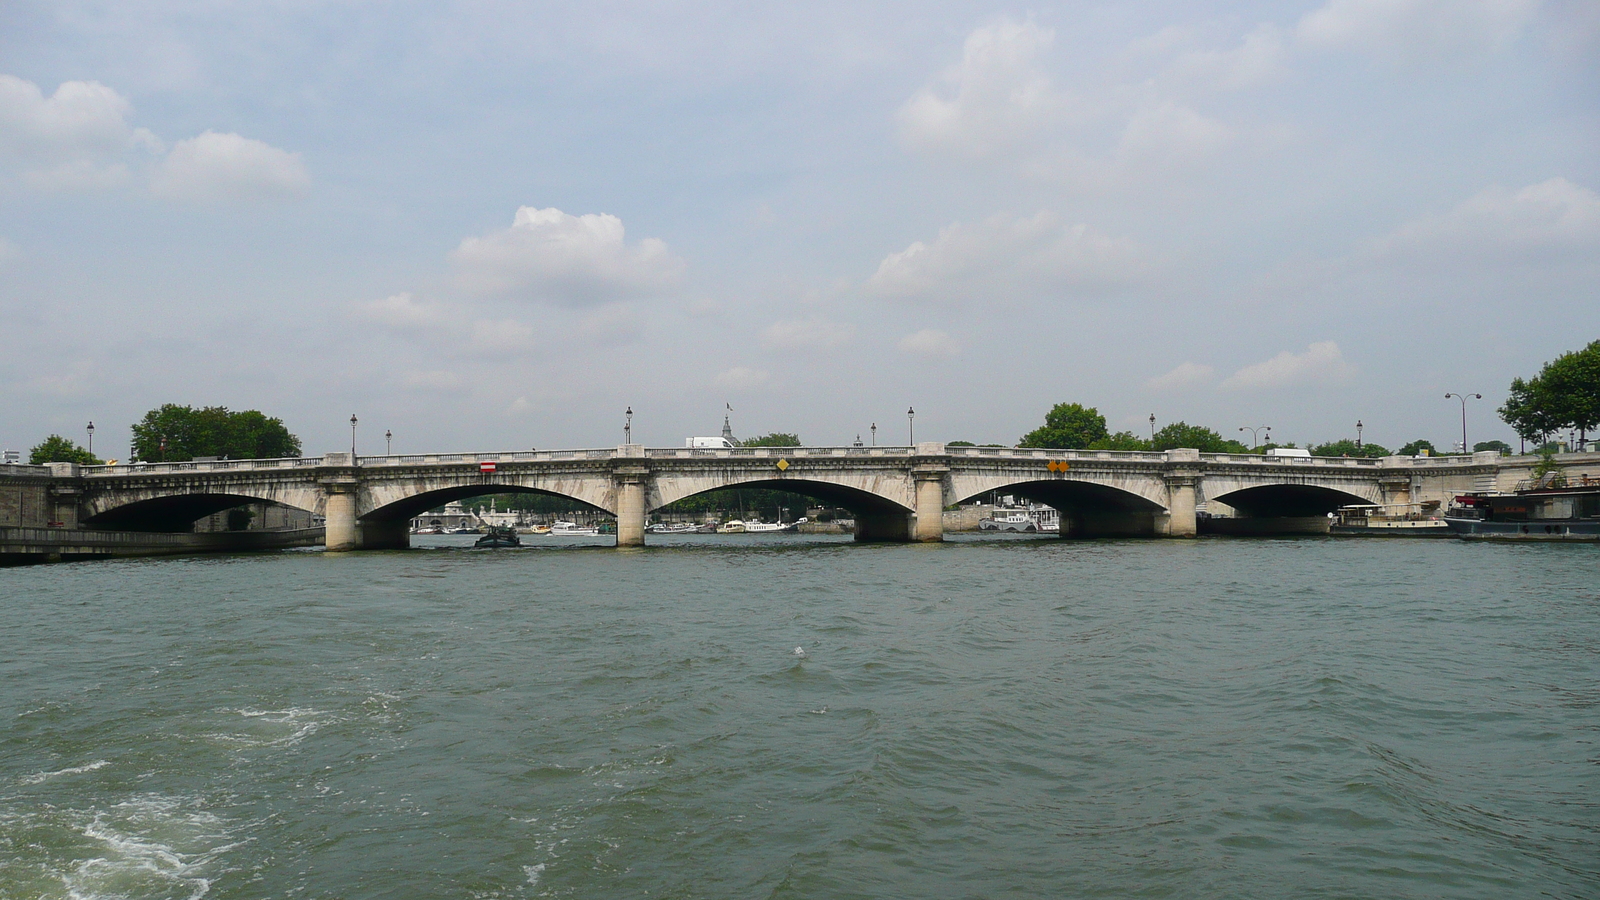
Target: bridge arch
point(1088, 509)
point(1289, 500)
point(173, 512)
point(409, 507)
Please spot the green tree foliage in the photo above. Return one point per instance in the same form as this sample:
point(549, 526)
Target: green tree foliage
point(960, 444)
point(56, 448)
point(1122, 440)
point(1416, 447)
point(1497, 446)
point(1347, 447)
point(175, 433)
point(1182, 434)
point(1067, 426)
point(1565, 394)
point(775, 439)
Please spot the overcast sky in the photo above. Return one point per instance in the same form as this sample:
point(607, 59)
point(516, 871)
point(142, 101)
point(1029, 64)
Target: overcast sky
point(498, 225)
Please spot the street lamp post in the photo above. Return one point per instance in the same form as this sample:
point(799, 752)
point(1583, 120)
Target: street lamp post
point(874, 434)
point(388, 442)
point(352, 439)
point(1152, 427)
point(1255, 434)
point(1358, 434)
point(627, 426)
point(91, 437)
point(1463, 399)
point(911, 425)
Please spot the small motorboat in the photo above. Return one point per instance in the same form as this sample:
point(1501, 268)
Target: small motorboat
point(572, 529)
point(675, 528)
point(732, 526)
point(499, 536)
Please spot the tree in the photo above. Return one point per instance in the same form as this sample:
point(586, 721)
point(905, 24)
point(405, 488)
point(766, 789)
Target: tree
point(1347, 447)
point(176, 433)
point(775, 439)
point(1565, 393)
point(56, 448)
point(1067, 426)
point(1498, 446)
point(1416, 447)
point(1196, 437)
point(1122, 440)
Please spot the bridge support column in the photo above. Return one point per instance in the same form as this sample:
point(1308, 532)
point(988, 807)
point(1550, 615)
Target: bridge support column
point(342, 533)
point(1182, 478)
point(930, 507)
point(929, 468)
point(630, 478)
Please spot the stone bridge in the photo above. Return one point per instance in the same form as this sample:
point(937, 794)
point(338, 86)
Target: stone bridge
point(896, 493)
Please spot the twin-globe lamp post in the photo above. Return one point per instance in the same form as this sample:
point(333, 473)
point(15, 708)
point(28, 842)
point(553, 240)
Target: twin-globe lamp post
point(1463, 399)
point(1255, 433)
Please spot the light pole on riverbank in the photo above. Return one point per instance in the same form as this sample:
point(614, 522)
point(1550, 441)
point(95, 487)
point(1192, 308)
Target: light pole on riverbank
point(1463, 399)
point(911, 425)
point(1358, 434)
point(388, 442)
point(91, 437)
point(627, 426)
point(874, 434)
point(352, 438)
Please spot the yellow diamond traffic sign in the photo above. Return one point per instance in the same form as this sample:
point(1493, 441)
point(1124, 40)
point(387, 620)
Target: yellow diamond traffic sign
point(783, 465)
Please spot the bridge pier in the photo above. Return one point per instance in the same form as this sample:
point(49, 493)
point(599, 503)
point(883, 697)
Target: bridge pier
point(630, 486)
point(930, 477)
point(342, 532)
point(1182, 478)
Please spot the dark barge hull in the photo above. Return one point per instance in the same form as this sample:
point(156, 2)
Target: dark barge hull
point(1479, 530)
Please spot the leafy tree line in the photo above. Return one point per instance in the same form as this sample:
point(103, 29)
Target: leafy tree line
point(173, 433)
point(1565, 394)
point(1073, 426)
point(56, 448)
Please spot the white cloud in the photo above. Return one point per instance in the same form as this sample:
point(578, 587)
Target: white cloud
point(1172, 132)
point(548, 255)
point(996, 95)
point(81, 119)
point(213, 168)
point(741, 378)
point(1422, 30)
point(930, 342)
point(1005, 254)
point(1259, 57)
point(1321, 363)
point(1551, 220)
point(807, 333)
point(1187, 374)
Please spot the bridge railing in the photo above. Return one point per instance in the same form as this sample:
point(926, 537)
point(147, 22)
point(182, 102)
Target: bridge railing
point(216, 465)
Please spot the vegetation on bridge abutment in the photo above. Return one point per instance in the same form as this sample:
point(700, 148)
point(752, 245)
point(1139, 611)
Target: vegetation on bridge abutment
point(174, 433)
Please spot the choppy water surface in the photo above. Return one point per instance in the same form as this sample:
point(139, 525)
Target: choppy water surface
point(1001, 718)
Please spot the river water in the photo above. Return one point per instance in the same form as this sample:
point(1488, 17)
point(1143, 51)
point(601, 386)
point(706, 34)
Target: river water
point(1013, 717)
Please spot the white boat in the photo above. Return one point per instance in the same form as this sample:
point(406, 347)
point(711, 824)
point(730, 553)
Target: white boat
point(675, 528)
point(572, 529)
point(732, 526)
point(754, 527)
point(1008, 520)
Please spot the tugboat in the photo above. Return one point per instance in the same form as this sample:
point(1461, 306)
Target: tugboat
point(499, 536)
point(1561, 512)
